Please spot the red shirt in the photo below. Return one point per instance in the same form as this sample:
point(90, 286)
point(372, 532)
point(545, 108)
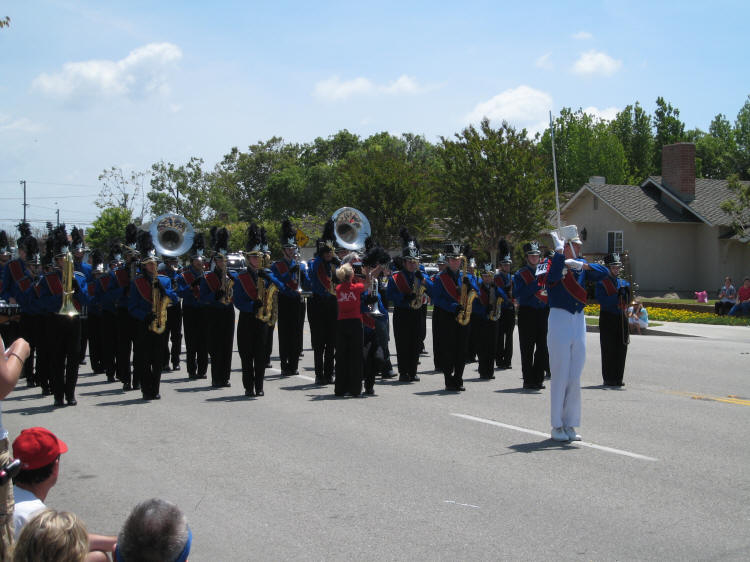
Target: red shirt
point(744, 294)
point(348, 297)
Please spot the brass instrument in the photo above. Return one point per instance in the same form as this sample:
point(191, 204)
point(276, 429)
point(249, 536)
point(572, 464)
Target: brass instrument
point(68, 308)
point(467, 296)
point(269, 298)
point(227, 285)
point(172, 234)
point(159, 304)
point(351, 228)
point(374, 311)
point(419, 289)
point(495, 302)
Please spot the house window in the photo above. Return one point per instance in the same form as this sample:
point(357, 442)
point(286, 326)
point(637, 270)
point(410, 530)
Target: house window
point(596, 203)
point(614, 241)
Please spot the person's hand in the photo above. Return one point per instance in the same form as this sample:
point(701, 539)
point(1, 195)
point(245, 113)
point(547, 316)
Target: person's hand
point(257, 305)
point(574, 264)
point(150, 317)
point(220, 294)
point(459, 310)
point(335, 261)
point(294, 268)
point(418, 274)
point(558, 242)
point(264, 273)
point(410, 298)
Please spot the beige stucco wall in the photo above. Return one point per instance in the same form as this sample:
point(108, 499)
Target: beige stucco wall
point(682, 257)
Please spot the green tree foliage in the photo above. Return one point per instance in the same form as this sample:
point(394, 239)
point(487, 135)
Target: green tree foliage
point(5, 22)
point(390, 180)
point(124, 191)
point(107, 228)
point(632, 127)
point(742, 140)
point(494, 184)
point(584, 147)
point(739, 207)
point(669, 129)
point(184, 190)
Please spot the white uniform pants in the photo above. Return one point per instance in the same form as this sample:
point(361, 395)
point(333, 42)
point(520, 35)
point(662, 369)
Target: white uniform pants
point(566, 341)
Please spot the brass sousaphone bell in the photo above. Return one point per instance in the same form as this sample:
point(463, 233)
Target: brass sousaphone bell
point(172, 235)
point(351, 228)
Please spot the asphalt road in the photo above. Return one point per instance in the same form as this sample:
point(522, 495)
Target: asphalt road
point(417, 473)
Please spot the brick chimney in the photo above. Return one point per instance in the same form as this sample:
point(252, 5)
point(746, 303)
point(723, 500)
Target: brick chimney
point(678, 169)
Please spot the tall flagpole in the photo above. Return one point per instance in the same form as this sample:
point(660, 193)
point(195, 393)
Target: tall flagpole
point(554, 168)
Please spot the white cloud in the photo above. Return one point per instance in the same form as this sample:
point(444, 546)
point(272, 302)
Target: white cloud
point(595, 62)
point(544, 61)
point(141, 73)
point(335, 89)
point(523, 107)
point(22, 124)
point(582, 35)
point(607, 114)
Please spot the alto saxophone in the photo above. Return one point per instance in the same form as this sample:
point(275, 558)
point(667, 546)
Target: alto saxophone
point(159, 304)
point(227, 285)
point(467, 296)
point(495, 302)
point(419, 290)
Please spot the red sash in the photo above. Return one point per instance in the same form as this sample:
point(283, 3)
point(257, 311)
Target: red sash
point(609, 287)
point(323, 277)
point(529, 278)
point(188, 276)
point(401, 283)
point(368, 321)
point(283, 270)
point(144, 288)
point(484, 296)
point(450, 286)
point(104, 281)
point(213, 281)
point(91, 288)
point(19, 276)
point(571, 285)
point(123, 277)
point(54, 283)
point(248, 285)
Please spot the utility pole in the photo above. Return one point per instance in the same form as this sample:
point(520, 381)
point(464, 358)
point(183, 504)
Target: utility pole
point(58, 214)
point(23, 183)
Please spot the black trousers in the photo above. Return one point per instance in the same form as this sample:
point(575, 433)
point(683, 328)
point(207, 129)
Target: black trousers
point(84, 340)
point(349, 346)
point(370, 364)
point(452, 340)
point(64, 333)
point(125, 335)
point(44, 350)
point(506, 327)
point(484, 332)
point(251, 343)
point(435, 359)
point(407, 324)
point(613, 338)
point(322, 313)
point(173, 334)
point(108, 338)
point(300, 331)
point(148, 348)
point(30, 332)
point(422, 327)
point(269, 343)
point(220, 342)
point(95, 325)
point(532, 337)
point(195, 320)
point(290, 333)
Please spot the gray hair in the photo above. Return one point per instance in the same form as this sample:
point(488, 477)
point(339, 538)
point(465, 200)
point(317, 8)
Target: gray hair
point(156, 530)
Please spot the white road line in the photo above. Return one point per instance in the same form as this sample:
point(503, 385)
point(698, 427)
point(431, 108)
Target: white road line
point(542, 434)
point(461, 504)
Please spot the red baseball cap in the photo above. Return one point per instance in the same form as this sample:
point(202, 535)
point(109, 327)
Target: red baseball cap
point(37, 447)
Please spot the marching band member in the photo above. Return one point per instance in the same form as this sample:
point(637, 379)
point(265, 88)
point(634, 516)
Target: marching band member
point(533, 310)
point(406, 289)
point(566, 338)
point(289, 272)
point(173, 333)
point(265, 265)
point(32, 317)
point(148, 345)
point(16, 281)
point(374, 317)
point(484, 319)
point(507, 325)
point(321, 311)
point(108, 301)
point(194, 312)
point(441, 265)
point(349, 332)
point(613, 296)
point(452, 337)
point(84, 269)
point(216, 289)
point(126, 325)
point(95, 313)
point(8, 329)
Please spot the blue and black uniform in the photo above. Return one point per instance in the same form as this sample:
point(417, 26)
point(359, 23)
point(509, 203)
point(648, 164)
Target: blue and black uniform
point(407, 320)
point(507, 323)
point(292, 277)
point(220, 320)
point(484, 328)
point(195, 321)
point(533, 314)
point(322, 312)
point(613, 295)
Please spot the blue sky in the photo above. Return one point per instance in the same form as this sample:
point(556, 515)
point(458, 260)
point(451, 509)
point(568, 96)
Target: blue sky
point(92, 84)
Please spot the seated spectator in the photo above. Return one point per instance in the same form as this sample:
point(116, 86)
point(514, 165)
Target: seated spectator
point(52, 536)
point(637, 317)
point(39, 451)
point(727, 297)
point(156, 530)
point(742, 308)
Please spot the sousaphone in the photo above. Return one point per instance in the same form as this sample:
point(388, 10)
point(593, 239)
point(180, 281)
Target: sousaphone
point(351, 228)
point(172, 235)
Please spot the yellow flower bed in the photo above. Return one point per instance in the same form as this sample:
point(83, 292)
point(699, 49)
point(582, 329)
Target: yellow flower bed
point(672, 315)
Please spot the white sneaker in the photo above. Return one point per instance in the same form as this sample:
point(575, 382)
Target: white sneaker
point(559, 434)
point(571, 432)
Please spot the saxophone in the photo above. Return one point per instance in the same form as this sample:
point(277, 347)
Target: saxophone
point(419, 289)
point(159, 304)
point(227, 285)
point(269, 298)
point(495, 302)
point(467, 296)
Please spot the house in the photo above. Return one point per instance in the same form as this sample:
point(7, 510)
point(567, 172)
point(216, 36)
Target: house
point(671, 227)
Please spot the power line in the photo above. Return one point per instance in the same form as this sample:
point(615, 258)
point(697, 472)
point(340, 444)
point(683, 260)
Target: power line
point(55, 183)
point(45, 197)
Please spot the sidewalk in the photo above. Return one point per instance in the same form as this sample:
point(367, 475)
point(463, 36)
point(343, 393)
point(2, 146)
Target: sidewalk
point(710, 331)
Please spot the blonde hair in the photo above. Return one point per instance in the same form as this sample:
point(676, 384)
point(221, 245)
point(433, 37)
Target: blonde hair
point(345, 272)
point(52, 536)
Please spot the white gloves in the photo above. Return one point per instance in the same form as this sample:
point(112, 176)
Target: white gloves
point(574, 264)
point(557, 241)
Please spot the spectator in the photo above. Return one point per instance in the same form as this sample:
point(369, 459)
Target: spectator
point(727, 297)
point(52, 536)
point(11, 365)
point(156, 530)
point(742, 308)
point(39, 451)
point(637, 317)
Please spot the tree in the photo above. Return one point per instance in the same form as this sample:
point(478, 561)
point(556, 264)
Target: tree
point(121, 191)
point(5, 22)
point(669, 129)
point(739, 207)
point(184, 190)
point(632, 126)
point(107, 228)
point(495, 184)
point(742, 140)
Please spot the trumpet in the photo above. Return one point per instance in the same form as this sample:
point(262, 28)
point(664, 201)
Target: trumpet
point(373, 308)
point(68, 308)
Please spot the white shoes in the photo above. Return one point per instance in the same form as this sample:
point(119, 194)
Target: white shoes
point(559, 434)
point(571, 432)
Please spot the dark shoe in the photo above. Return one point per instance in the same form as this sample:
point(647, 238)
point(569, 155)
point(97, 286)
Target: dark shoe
point(203, 376)
point(403, 378)
point(31, 384)
point(175, 366)
point(46, 391)
point(227, 385)
point(260, 393)
point(339, 393)
point(166, 369)
point(389, 375)
point(71, 401)
point(136, 386)
point(82, 362)
point(451, 388)
point(369, 391)
point(110, 378)
point(250, 393)
point(461, 387)
point(415, 378)
point(319, 381)
point(491, 377)
point(157, 396)
point(148, 397)
point(59, 402)
point(127, 386)
point(540, 387)
point(295, 374)
point(269, 366)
